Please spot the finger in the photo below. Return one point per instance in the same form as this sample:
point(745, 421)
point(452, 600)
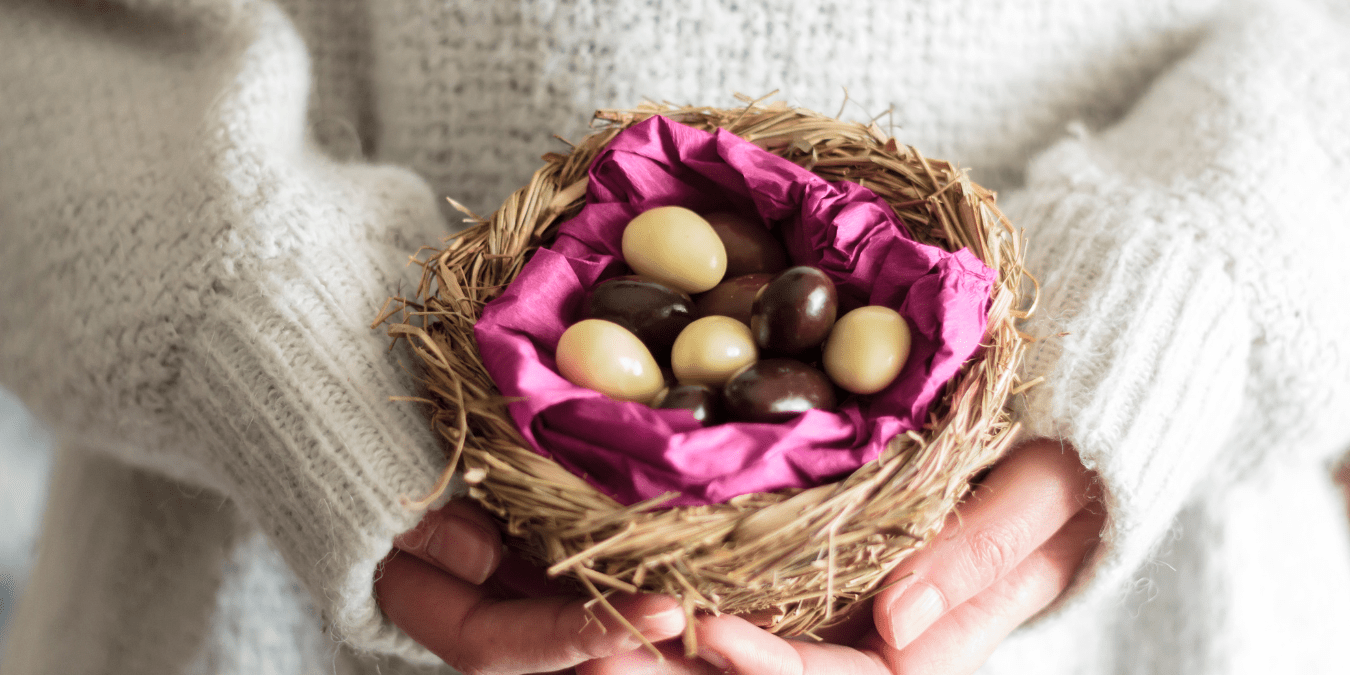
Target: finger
point(476, 633)
point(1025, 499)
point(643, 662)
point(735, 645)
point(963, 639)
point(458, 538)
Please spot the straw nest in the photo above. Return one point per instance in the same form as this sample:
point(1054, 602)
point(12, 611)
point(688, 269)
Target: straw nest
point(791, 560)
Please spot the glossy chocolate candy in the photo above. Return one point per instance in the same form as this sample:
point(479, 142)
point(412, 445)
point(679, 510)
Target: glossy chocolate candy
point(867, 349)
point(711, 349)
point(704, 401)
point(606, 357)
point(676, 247)
point(794, 312)
point(751, 248)
point(734, 297)
point(776, 390)
point(654, 312)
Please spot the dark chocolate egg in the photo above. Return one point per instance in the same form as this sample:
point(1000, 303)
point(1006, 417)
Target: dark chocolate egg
point(776, 390)
point(654, 312)
point(750, 246)
point(734, 297)
point(700, 399)
point(795, 311)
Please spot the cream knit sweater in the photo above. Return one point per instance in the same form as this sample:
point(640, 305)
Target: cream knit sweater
point(203, 204)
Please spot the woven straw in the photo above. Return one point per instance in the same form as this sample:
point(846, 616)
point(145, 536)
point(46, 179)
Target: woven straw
point(791, 560)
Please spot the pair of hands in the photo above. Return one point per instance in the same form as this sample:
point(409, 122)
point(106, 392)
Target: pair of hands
point(1006, 554)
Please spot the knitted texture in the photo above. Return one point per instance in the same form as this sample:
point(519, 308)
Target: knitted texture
point(163, 552)
point(201, 214)
point(1192, 259)
point(470, 93)
point(189, 284)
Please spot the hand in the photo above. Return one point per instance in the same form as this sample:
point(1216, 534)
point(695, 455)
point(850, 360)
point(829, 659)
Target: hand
point(1007, 553)
point(442, 586)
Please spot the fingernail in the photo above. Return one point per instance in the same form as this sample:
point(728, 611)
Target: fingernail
point(717, 660)
point(913, 612)
point(661, 625)
point(464, 549)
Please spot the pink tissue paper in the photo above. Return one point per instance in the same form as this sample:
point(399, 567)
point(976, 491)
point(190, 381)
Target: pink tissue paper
point(632, 452)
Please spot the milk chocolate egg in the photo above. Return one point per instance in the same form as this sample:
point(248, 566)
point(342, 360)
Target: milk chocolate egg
point(654, 312)
point(776, 390)
point(795, 311)
point(606, 357)
point(676, 247)
point(751, 248)
point(710, 349)
point(700, 399)
point(867, 349)
point(734, 297)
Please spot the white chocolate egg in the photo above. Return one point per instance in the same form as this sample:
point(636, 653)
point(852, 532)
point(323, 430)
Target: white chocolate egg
point(606, 357)
point(866, 349)
point(677, 247)
point(710, 350)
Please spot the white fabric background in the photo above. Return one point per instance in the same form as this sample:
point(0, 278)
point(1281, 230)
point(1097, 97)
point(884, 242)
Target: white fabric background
point(25, 461)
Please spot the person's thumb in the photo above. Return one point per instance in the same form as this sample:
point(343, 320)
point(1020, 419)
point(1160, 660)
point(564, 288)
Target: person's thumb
point(459, 538)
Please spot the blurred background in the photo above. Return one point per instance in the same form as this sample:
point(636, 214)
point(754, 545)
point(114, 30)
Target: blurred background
point(25, 462)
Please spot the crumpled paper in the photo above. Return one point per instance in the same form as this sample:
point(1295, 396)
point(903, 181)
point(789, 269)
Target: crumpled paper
point(632, 452)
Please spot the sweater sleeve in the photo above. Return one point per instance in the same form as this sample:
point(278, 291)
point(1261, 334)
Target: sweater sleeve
point(1191, 264)
point(190, 283)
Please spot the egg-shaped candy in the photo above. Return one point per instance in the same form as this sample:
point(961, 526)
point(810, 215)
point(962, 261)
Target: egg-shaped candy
point(654, 312)
point(700, 399)
point(675, 246)
point(795, 311)
point(776, 390)
point(734, 297)
point(608, 358)
point(867, 349)
point(710, 349)
point(751, 248)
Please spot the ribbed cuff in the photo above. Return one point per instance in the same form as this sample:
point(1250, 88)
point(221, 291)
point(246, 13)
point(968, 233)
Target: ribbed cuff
point(1143, 344)
point(292, 387)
